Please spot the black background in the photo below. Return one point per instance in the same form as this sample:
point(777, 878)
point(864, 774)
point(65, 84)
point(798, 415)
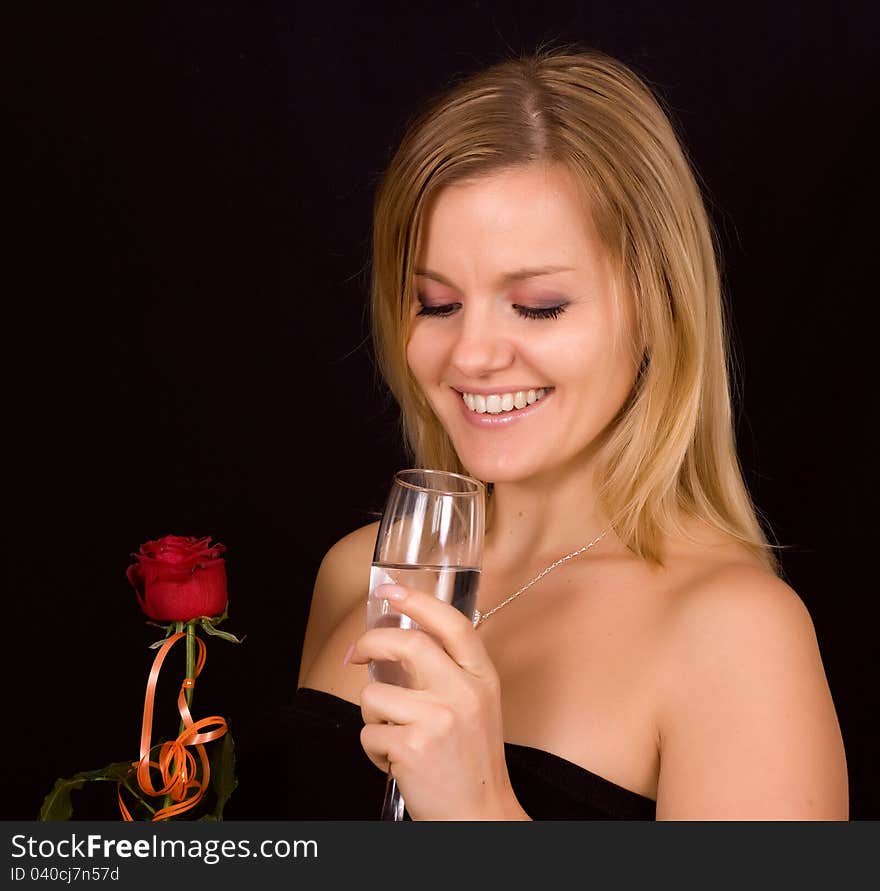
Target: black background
point(189, 340)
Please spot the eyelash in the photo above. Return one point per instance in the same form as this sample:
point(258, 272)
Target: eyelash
point(527, 312)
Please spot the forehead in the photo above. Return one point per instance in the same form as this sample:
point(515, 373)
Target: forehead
point(509, 219)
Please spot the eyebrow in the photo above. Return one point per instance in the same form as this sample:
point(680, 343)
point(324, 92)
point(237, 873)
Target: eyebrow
point(514, 276)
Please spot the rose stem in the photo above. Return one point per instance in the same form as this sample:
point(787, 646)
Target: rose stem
point(190, 662)
point(190, 666)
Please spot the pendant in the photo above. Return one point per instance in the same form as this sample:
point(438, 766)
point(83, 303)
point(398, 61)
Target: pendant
point(478, 617)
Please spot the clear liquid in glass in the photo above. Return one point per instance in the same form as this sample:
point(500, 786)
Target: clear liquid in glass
point(454, 584)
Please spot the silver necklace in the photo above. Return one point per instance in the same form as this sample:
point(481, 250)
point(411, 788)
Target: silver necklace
point(479, 617)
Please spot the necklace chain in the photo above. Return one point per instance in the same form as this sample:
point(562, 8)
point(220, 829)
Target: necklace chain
point(479, 617)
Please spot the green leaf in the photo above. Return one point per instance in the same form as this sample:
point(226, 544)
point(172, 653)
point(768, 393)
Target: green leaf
point(57, 805)
point(208, 628)
point(141, 810)
point(223, 780)
point(216, 620)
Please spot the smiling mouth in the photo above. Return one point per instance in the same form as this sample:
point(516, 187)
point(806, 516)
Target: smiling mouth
point(503, 403)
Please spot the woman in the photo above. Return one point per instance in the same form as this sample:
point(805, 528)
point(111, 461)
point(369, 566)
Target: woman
point(547, 312)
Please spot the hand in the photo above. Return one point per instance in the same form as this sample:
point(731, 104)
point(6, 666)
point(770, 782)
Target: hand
point(445, 742)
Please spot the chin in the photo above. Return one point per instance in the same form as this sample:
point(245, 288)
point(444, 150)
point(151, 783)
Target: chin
point(496, 470)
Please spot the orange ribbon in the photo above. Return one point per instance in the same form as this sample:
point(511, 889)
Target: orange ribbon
point(176, 763)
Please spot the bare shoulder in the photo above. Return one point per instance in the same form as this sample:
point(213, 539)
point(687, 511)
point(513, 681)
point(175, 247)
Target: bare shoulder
point(343, 579)
point(344, 568)
point(746, 722)
point(738, 600)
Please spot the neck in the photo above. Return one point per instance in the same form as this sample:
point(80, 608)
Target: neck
point(540, 520)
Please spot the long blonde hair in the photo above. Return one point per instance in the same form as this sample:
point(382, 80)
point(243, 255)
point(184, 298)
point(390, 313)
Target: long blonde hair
point(670, 451)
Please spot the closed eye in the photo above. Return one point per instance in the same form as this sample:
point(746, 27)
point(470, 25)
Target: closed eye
point(527, 312)
point(544, 312)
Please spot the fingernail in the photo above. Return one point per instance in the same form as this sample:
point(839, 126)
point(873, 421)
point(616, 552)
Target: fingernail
point(348, 653)
point(391, 592)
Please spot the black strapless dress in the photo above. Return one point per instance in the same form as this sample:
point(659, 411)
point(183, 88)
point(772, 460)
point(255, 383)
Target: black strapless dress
point(306, 763)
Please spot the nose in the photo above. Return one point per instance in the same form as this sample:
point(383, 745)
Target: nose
point(480, 347)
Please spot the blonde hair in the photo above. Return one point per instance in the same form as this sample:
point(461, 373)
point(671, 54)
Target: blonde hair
point(670, 451)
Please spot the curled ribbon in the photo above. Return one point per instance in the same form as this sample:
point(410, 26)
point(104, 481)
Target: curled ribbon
point(176, 764)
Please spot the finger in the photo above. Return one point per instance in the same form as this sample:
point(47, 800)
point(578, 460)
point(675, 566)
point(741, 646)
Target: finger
point(386, 746)
point(381, 703)
point(376, 740)
point(422, 658)
point(451, 628)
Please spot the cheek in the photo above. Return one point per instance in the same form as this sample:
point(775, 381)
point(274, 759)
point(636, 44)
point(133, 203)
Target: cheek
point(564, 355)
point(414, 358)
point(423, 355)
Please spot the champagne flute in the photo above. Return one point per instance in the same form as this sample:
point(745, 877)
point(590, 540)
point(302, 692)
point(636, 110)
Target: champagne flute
point(430, 538)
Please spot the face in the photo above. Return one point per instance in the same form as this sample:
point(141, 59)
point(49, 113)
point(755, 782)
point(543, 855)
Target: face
point(513, 330)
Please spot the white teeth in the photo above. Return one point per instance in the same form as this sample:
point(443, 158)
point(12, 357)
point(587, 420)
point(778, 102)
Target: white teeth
point(498, 403)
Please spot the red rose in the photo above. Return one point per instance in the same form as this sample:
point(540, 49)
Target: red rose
point(179, 578)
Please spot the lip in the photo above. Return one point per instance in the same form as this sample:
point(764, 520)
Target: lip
point(503, 420)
